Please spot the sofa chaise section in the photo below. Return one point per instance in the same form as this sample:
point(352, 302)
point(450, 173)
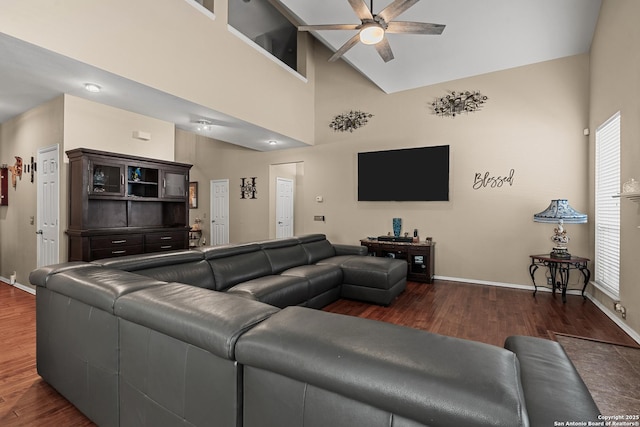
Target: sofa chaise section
point(342, 371)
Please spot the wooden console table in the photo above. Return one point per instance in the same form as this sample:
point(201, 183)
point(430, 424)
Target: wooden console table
point(559, 269)
point(419, 256)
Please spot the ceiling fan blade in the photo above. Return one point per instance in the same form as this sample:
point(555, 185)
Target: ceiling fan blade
point(395, 9)
point(415, 28)
point(345, 47)
point(329, 27)
point(361, 9)
point(384, 49)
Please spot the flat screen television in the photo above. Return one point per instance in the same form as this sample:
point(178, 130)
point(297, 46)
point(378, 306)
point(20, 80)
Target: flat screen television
point(411, 174)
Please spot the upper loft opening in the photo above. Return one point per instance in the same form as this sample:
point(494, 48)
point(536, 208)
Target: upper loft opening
point(268, 27)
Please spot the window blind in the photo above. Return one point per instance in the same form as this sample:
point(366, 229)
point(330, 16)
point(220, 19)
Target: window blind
point(607, 207)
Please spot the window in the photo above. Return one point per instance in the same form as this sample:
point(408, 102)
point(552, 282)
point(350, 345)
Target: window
point(607, 265)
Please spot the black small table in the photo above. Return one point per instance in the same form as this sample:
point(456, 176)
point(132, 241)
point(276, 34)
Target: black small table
point(559, 269)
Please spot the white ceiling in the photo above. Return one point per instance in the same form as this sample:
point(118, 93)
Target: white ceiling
point(480, 37)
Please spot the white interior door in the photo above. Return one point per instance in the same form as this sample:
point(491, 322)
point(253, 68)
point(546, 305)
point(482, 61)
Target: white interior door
point(284, 207)
point(48, 208)
point(219, 212)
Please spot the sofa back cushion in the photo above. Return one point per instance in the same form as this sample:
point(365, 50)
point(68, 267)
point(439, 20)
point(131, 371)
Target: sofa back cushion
point(284, 254)
point(184, 266)
point(236, 264)
point(317, 248)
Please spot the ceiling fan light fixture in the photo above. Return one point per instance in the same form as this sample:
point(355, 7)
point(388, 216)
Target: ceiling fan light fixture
point(372, 33)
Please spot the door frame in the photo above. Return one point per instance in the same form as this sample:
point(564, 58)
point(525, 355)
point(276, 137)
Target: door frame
point(40, 205)
point(212, 208)
point(278, 179)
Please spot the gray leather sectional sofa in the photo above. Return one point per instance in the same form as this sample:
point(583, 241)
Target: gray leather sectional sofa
point(225, 337)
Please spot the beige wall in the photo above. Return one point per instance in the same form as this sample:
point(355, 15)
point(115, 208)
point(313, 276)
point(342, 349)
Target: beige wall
point(70, 122)
point(533, 124)
point(152, 42)
point(23, 136)
point(615, 86)
point(101, 127)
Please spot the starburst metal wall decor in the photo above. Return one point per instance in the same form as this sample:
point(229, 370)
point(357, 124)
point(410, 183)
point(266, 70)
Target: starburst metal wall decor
point(455, 103)
point(350, 121)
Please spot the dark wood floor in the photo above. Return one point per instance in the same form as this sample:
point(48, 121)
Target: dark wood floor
point(482, 313)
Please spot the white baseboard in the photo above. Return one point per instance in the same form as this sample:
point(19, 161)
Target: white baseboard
point(19, 286)
point(633, 334)
point(610, 314)
point(505, 285)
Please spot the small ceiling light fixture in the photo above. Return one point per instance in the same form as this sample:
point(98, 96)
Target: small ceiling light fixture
point(371, 33)
point(455, 103)
point(273, 142)
point(350, 121)
point(92, 87)
point(204, 125)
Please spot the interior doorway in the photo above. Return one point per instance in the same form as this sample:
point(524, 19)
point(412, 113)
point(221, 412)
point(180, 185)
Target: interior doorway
point(219, 209)
point(48, 206)
point(286, 196)
point(284, 207)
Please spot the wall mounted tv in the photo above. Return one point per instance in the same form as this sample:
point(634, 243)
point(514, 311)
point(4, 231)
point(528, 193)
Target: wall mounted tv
point(411, 174)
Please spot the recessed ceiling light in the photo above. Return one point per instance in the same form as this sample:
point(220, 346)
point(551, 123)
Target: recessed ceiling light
point(92, 87)
point(272, 142)
point(203, 125)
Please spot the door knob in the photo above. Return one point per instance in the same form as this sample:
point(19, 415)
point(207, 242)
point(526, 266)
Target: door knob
point(39, 232)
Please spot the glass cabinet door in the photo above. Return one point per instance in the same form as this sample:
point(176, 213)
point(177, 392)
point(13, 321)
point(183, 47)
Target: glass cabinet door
point(174, 184)
point(106, 179)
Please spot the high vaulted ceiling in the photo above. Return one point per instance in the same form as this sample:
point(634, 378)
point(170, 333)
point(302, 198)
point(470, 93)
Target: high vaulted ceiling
point(480, 37)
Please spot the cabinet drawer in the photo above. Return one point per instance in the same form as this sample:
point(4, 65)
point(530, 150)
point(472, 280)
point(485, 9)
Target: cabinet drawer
point(116, 251)
point(166, 246)
point(166, 238)
point(114, 242)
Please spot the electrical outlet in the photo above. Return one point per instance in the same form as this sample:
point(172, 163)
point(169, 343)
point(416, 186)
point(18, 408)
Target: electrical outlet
point(549, 281)
point(620, 309)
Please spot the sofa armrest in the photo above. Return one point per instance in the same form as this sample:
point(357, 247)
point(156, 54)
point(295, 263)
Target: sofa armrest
point(553, 389)
point(349, 249)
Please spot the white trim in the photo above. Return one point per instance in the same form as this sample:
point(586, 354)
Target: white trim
point(506, 285)
point(200, 8)
point(20, 286)
point(260, 49)
point(633, 334)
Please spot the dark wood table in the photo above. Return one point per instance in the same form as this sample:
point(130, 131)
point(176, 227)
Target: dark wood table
point(559, 269)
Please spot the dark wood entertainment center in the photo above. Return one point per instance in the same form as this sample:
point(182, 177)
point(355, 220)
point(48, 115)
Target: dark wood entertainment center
point(419, 256)
point(124, 205)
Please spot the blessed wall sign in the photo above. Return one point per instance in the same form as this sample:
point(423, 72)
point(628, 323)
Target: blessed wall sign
point(488, 180)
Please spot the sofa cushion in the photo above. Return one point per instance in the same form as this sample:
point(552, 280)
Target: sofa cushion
point(373, 272)
point(279, 291)
point(321, 277)
point(284, 254)
point(184, 266)
point(317, 247)
point(236, 264)
point(431, 379)
point(98, 286)
point(210, 320)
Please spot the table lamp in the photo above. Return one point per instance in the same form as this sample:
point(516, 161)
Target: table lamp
point(559, 212)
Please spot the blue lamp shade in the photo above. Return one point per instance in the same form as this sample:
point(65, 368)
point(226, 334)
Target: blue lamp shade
point(560, 210)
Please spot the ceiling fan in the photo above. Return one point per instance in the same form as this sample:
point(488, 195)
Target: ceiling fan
point(373, 28)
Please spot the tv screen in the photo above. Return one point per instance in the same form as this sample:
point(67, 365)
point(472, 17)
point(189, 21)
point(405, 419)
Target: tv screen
point(411, 174)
